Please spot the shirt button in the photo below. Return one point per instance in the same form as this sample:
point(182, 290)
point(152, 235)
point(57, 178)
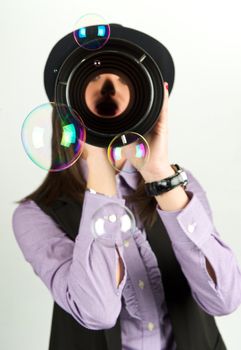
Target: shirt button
point(150, 326)
point(126, 243)
point(191, 227)
point(141, 284)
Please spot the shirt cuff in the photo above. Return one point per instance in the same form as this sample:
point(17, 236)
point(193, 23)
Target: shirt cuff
point(190, 225)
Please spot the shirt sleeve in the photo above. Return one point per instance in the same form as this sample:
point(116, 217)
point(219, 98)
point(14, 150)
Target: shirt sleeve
point(194, 236)
point(80, 275)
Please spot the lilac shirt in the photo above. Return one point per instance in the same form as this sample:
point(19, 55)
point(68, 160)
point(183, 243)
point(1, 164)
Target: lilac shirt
point(81, 275)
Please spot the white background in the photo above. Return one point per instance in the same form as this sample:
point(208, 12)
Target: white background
point(204, 127)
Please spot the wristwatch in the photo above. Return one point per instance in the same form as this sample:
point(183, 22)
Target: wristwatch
point(158, 187)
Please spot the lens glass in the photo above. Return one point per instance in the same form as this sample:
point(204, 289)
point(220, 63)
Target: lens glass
point(108, 95)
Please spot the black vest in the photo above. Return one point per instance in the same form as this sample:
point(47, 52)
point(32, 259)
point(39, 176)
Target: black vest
point(193, 328)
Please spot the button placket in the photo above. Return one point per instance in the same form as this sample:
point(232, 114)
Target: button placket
point(139, 281)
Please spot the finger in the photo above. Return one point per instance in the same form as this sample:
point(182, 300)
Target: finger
point(165, 98)
point(164, 110)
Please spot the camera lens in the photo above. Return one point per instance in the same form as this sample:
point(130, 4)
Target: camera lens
point(115, 89)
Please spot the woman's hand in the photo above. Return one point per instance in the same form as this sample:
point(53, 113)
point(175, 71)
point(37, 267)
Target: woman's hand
point(158, 167)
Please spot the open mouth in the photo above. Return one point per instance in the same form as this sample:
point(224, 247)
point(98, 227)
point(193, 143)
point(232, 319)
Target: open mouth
point(106, 107)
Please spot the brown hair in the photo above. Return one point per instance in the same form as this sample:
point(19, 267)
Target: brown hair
point(71, 183)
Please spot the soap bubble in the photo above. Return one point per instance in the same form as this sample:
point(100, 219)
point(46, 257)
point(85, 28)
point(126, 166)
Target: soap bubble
point(91, 31)
point(53, 136)
point(113, 224)
point(131, 146)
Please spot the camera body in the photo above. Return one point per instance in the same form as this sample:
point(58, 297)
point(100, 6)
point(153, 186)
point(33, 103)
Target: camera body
point(132, 66)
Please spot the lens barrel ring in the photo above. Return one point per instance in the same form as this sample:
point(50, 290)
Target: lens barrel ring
point(117, 55)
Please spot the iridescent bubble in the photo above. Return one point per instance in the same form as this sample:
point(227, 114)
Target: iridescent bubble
point(53, 136)
point(113, 224)
point(91, 31)
point(130, 147)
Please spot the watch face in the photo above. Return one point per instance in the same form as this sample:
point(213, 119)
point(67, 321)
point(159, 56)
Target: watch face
point(176, 180)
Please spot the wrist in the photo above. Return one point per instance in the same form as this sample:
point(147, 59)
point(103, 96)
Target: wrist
point(98, 165)
point(105, 189)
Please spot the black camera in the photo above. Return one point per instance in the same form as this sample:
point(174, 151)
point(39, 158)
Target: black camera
point(115, 89)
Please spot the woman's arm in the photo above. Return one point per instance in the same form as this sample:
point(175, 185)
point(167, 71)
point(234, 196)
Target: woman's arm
point(101, 178)
point(208, 263)
point(84, 277)
point(80, 275)
point(175, 199)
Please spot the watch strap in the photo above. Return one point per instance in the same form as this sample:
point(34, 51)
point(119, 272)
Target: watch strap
point(158, 187)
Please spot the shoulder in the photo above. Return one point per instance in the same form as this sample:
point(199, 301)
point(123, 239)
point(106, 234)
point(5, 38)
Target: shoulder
point(28, 218)
point(26, 210)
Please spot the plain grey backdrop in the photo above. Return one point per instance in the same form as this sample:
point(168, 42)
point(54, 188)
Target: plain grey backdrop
point(204, 127)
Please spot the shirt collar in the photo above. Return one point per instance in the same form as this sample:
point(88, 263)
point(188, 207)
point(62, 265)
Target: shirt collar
point(128, 173)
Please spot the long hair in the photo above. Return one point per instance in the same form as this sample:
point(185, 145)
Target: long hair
point(71, 183)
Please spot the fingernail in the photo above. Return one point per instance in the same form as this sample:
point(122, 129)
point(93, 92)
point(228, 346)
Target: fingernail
point(167, 86)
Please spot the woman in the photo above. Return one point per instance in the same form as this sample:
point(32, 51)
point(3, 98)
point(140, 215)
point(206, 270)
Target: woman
point(94, 286)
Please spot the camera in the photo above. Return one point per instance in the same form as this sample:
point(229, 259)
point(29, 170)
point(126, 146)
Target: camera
point(115, 89)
